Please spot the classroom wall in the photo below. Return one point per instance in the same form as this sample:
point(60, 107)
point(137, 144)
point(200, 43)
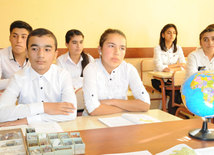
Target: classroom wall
point(140, 20)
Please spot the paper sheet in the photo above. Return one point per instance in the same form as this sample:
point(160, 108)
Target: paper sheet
point(133, 153)
point(128, 119)
point(115, 121)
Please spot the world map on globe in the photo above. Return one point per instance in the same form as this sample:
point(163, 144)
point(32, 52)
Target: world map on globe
point(198, 93)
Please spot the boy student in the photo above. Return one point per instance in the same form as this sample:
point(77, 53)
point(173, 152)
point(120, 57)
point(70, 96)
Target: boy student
point(44, 90)
point(14, 57)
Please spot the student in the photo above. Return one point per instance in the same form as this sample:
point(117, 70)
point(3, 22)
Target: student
point(168, 57)
point(106, 81)
point(44, 90)
point(203, 57)
point(75, 60)
point(14, 57)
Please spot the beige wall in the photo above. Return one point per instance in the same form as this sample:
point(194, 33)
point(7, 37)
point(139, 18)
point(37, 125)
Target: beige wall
point(140, 20)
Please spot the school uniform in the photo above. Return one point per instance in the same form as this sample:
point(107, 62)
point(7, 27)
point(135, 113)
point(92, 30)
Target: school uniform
point(74, 69)
point(164, 58)
point(198, 61)
point(100, 85)
point(8, 66)
point(161, 61)
point(32, 89)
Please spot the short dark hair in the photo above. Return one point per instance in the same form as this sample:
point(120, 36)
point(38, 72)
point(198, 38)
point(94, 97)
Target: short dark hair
point(71, 33)
point(209, 28)
point(20, 24)
point(107, 32)
point(42, 32)
point(162, 40)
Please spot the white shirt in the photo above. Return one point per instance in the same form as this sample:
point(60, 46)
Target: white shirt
point(8, 66)
point(99, 84)
point(164, 58)
point(74, 69)
point(198, 59)
point(32, 90)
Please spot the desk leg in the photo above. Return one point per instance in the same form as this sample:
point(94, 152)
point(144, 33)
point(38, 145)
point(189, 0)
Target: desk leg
point(163, 95)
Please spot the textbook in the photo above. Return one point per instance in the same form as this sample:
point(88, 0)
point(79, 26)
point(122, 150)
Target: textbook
point(128, 119)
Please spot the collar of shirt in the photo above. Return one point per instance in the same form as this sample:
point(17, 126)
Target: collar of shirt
point(201, 52)
point(171, 49)
point(68, 58)
point(11, 56)
point(47, 75)
point(105, 71)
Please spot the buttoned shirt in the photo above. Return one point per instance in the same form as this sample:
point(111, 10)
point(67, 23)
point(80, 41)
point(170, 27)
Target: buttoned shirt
point(196, 60)
point(74, 69)
point(32, 89)
point(8, 66)
point(164, 58)
point(100, 85)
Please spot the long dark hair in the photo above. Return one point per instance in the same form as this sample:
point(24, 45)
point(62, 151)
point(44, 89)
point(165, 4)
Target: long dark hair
point(68, 36)
point(162, 40)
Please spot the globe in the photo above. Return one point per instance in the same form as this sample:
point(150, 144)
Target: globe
point(198, 93)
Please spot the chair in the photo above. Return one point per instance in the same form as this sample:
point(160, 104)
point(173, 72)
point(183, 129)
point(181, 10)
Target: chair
point(147, 65)
point(178, 79)
point(183, 112)
point(80, 101)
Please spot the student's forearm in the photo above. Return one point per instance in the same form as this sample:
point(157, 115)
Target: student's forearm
point(104, 109)
point(58, 108)
point(177, 65)
point(13, 123)
point(128, 105)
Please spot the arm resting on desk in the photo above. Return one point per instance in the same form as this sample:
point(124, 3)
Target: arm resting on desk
point(175, 67)
point(128, 105)
point(14, 123)
point(117, 105)
point(105, 109)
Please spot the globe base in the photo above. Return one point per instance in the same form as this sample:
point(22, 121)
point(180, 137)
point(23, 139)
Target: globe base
point(201, 135)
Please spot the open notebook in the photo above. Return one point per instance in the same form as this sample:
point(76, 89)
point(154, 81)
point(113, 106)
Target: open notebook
point(128, 119)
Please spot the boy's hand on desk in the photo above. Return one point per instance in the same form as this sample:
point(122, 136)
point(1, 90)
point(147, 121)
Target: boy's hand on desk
point(58, 108)
point(13, 123)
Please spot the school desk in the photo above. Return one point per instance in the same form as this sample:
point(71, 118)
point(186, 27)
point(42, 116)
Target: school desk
point(154, 137)
point(178, 77)
point(92, 122)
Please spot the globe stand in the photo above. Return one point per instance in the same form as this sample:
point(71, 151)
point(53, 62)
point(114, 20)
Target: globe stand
point(203, 133)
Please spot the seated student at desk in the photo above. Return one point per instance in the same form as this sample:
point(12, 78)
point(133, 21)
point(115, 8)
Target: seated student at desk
point(168, 57)
point(107, 79)
point(44, 90)
point(203, 57)
point(74, 61)
point(14, 57)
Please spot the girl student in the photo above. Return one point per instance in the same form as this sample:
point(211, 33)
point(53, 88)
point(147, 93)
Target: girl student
point(168, 57)
point(74, 61)
point(106, 80)
point(203, 57)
